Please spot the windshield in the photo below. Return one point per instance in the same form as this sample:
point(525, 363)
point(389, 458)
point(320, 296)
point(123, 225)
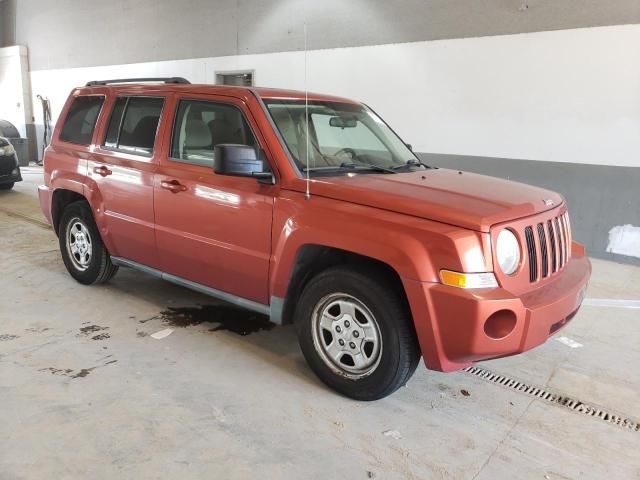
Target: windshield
point(341, 136)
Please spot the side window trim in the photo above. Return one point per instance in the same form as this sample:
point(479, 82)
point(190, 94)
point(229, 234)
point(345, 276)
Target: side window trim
point(121, 122)
point(227, 103)
point(95, 125)
point(131, 151)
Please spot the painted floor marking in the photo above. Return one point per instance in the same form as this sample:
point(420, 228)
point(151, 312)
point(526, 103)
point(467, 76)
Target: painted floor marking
point(611, 302)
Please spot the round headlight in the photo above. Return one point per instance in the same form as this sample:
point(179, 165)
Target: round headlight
point(508, 252)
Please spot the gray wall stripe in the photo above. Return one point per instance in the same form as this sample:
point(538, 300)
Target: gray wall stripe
point(599, 197)
point(72, 33)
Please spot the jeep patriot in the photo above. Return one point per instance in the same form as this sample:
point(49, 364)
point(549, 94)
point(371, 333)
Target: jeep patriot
point(310, 209)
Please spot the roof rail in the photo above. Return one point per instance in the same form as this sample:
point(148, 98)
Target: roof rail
point(139, 80)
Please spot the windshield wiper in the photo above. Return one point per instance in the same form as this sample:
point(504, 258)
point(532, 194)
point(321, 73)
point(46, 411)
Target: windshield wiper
point(412, 163)
point(349, 165)
point(367, 166)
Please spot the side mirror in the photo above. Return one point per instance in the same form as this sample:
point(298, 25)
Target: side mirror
point(240, 161)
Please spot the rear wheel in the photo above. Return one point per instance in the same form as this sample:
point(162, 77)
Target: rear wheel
point(7, 186)
point(356, 333)
point(83, 252)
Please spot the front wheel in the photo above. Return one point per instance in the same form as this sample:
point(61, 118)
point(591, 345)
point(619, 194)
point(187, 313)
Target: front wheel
point(7, 186)
point(85, 256)
point(356, 333)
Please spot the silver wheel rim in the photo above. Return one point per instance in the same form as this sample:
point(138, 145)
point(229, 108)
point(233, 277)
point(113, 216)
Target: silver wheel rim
point(79, 244)
point(346, 335)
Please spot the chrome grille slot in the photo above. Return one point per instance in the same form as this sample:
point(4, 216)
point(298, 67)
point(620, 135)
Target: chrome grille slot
point(544, 258)
point(567, 241)
point(560, 241)
point(531, 250)
point(552, 242)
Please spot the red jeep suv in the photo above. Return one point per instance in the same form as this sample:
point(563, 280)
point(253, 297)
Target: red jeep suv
point(310, 209)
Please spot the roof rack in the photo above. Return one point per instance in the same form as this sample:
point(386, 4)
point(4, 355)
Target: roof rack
point(139, 80)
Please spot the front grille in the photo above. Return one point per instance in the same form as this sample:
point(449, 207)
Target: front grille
point(550, 251)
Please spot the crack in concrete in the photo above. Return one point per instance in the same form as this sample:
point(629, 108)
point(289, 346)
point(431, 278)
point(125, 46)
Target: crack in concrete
point(506, 436)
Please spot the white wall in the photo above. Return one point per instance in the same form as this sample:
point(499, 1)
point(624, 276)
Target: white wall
point(564, 96)
point(15, 95)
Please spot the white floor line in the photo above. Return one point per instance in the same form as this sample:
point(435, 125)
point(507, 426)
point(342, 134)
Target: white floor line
point(611, 302)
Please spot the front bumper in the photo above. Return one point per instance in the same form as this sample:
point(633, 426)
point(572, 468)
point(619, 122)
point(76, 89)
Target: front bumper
point(465, 326)
point(9, 170)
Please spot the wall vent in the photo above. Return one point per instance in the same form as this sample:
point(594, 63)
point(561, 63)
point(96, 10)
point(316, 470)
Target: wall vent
point(243, 78)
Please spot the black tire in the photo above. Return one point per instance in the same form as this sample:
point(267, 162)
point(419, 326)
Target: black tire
point(399, 353)
point(6, 186)
point(98, 268)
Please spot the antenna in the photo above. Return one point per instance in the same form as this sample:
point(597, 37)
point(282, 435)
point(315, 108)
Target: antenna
point(306, 104)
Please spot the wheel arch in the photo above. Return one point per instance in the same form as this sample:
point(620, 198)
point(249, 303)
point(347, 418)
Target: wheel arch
point(60, 199)
point(311, 259)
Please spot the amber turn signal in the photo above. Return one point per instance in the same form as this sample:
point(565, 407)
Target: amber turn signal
point(468, 280)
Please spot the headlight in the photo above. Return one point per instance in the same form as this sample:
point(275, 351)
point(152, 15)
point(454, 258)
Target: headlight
point(508, 252)
point(7, 150)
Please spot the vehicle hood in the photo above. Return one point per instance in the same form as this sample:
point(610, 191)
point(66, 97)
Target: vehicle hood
point(463, 199)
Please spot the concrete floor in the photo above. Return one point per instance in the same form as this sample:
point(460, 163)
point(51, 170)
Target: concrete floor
point(109, 401)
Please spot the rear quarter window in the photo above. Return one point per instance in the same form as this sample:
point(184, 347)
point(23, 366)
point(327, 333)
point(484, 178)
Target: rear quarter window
point(81, 120)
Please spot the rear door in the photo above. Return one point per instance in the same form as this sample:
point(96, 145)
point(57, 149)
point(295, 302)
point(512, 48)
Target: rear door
point(211, 229)
point(122, 168)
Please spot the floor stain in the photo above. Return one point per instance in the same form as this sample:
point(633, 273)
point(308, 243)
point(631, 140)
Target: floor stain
point(68, 372)
point(83, 373)
point(224, 317)
point(6, 338)
point(101, 336)
point(56, 371)
point(37, 330)
point(88, 330)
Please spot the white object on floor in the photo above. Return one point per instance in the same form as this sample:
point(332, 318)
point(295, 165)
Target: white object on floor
point(611, 302)
point(624, 240)
point(393, 434)
point(569, 342)
point(162, 334)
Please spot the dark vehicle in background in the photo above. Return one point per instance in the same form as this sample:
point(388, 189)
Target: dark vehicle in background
point(9, 169)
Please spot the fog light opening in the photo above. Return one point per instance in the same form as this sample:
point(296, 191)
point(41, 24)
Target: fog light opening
point(500, 324)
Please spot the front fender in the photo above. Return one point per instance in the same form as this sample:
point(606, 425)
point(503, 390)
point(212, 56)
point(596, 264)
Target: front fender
point(415, 248)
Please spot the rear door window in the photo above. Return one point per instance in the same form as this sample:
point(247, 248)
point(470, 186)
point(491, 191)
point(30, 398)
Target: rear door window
point(134, 124)
point(81, 120)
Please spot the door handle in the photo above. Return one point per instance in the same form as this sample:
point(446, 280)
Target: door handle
point(103, 171)
point(173, 186)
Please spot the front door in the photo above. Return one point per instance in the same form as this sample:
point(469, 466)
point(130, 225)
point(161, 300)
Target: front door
point(211, 229)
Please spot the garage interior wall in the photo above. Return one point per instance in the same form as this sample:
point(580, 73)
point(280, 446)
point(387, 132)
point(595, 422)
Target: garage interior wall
point(15, 92)
point(537, 91)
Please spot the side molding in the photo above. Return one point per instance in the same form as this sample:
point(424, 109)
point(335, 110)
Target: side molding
point(212, 292)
